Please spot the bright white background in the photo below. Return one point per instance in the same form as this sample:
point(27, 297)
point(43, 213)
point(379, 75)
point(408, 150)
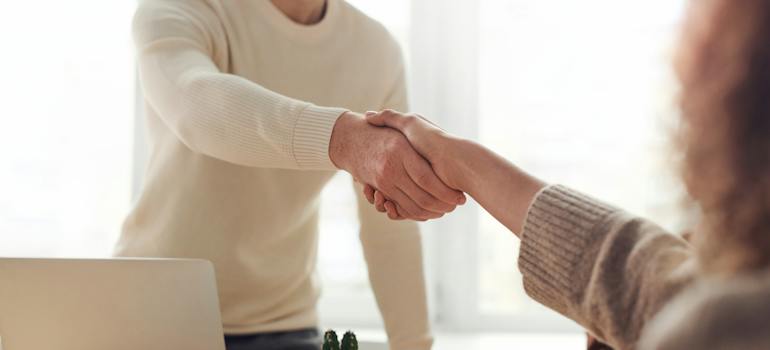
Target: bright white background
point(579, 93)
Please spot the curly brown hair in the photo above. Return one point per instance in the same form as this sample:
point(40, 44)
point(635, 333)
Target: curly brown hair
point(724, 68)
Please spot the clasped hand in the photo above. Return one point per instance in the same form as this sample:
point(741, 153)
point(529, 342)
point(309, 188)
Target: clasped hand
point(397, 177)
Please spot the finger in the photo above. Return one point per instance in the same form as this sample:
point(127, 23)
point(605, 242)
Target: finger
point(398, 212)
point(409, 210)
point(414, 210)
point(401, 211)
point(423, 219)
point(392, 211)
point(379, 201)
point(389, 118)
point(424, 199)
point(369, 193)
point(422, 174)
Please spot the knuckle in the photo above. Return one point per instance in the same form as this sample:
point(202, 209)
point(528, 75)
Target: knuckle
point(396, 143)
point(380, 179)
point(383, 172)
point(390, 162)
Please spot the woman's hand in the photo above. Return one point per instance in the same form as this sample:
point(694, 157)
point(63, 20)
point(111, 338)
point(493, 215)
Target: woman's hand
point(501, 188)
point(430, 141)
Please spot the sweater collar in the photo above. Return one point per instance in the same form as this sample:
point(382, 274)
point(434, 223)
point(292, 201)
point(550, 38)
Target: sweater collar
point(308, 34)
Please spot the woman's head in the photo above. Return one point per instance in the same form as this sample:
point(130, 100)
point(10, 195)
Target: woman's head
point(724, 66)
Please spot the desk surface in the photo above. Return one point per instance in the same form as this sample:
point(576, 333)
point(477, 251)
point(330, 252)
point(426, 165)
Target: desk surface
point(374, 340)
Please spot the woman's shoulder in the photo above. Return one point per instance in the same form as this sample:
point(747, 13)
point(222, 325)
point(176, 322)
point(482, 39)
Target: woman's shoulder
point(716, 313)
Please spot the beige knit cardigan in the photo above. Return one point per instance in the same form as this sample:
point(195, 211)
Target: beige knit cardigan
point(631, 283)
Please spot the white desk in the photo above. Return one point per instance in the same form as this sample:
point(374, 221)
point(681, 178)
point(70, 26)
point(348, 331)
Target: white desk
point(375, 340)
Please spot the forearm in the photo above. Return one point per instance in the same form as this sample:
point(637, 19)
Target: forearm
point(500, 187)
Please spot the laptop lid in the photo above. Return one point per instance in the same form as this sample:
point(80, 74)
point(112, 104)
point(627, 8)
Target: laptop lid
point(95, 304)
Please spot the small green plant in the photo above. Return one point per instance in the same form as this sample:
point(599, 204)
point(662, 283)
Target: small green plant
point(330, 341)
point(349, 341)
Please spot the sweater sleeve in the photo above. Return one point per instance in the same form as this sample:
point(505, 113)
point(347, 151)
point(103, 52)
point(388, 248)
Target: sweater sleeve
point(608, 271)
point(221, 115)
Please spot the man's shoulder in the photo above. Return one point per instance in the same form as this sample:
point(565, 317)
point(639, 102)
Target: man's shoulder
point(155, 19)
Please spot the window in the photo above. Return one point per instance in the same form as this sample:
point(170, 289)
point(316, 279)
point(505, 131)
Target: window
point(579, 93)
point(67, 97)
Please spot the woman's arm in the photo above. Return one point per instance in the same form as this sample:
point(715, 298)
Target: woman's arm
point(500, 187)
point(609, 271)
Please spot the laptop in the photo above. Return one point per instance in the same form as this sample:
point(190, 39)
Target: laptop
point(109, 304)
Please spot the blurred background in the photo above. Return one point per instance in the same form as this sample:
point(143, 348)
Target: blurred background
point(580, 93)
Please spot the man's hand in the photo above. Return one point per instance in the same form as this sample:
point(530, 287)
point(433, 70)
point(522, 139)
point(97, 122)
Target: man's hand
point(438, 147)
point(499, 186)
point(384, 159)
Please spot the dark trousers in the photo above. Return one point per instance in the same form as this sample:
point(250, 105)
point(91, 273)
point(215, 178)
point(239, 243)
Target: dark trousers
point(306, 339)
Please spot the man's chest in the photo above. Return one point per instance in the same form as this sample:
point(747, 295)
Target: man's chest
point(324, 76)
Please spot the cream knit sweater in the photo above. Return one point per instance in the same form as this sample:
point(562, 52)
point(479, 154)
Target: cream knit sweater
point(234, 93)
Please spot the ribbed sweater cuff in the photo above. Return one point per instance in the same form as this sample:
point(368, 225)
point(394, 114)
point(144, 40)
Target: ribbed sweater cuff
point(559, 232)
point(311, 137)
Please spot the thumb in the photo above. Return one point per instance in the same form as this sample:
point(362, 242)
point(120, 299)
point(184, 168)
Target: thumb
point(385, 118)
point(375, 118)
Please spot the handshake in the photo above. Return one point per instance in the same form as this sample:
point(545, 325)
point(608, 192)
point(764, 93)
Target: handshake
point(405, 163)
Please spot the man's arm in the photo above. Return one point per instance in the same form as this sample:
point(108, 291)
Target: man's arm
point(222, 115)
point(236, 120)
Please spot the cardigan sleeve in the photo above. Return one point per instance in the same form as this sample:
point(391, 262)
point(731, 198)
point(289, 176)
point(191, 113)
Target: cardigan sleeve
point(607, 270)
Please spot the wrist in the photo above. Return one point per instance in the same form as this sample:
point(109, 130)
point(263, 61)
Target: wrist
point(465, 165)
point(341, 139)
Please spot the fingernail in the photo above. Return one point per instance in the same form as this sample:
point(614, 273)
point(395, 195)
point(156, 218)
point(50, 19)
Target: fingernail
point(370, 113)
